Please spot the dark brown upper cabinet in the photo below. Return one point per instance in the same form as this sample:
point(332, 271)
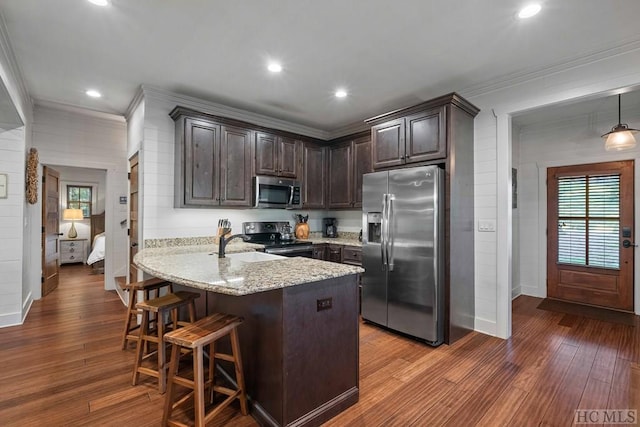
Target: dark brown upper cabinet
point(341, 175)
point(361, 165)
point(212, 163)
point(348, 161)
point(414, 138)
point(276, 155)
point(314, 182)
point(235, 166)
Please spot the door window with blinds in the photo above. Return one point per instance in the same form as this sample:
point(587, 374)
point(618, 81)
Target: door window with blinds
point(589, 220)
point(589, 217)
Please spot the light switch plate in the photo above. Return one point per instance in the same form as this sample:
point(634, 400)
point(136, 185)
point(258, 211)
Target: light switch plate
point(487, 225)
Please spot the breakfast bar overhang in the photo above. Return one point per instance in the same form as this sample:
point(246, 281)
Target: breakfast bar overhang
point(299, 339)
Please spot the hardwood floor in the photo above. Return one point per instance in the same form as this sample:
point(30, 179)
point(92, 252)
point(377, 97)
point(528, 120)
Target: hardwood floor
point(64, 366)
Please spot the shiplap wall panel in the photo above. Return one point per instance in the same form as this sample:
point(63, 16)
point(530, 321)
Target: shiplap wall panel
point(12, 163)
point(67, 138)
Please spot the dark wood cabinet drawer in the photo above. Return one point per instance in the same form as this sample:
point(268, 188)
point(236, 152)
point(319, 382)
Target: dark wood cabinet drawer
point(334, 253)
point(352, 255)
point(319, 251)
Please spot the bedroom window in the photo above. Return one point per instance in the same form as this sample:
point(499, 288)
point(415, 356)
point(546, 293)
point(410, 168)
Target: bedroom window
point(79, 197)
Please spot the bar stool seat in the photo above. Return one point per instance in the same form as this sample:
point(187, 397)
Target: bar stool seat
point(169, 303)
point(131, 321)
point(196, 336)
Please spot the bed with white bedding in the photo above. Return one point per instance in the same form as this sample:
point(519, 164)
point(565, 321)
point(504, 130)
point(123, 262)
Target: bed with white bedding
point(97, 249)
point(96, 257)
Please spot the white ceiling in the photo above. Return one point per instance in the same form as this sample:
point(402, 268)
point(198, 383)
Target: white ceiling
point(387, 54)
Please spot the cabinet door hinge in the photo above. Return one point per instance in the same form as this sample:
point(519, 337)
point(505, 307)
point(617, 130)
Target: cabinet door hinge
point(41, 279)
point(128, 232)
point(43, 229)
point(44, 178)
point(129, 175)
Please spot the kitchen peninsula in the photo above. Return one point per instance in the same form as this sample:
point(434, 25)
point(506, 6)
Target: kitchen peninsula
point(299, 339)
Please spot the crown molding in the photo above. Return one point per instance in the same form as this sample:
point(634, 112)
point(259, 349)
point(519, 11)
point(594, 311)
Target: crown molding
point(515, 79)
point(137, 99)
point(217, 109)
point(13, 73)
point(75, 109)
point(348, 130)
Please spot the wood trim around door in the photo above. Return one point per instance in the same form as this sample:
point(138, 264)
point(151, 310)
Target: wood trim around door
point(605, 287)
point(133, 216)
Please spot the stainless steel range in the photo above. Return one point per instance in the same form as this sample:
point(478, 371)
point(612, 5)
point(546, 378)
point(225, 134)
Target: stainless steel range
point(269, 234)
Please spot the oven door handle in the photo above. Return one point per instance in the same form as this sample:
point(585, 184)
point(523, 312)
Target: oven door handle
point(291, 189)
point(278, 251)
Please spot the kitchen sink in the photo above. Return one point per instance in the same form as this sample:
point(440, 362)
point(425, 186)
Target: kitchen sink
point(254, 256)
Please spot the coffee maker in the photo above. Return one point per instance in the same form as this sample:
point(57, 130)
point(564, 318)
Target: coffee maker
point(329, 227)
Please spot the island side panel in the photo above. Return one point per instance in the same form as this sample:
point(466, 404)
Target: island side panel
point(261, 346)
point(321, 350)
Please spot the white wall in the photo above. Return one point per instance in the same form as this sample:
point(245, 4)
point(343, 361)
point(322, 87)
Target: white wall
point(580, 78)
point(94, 141)
point(572, 141)
point(12, 162)
point(516, 289)
point(15, 120)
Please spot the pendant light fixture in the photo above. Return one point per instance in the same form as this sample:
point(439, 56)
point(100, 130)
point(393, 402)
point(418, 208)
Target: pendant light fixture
point(621, 136)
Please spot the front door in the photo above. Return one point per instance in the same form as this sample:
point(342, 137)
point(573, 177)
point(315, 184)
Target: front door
point(589, 219)
point(50, 228)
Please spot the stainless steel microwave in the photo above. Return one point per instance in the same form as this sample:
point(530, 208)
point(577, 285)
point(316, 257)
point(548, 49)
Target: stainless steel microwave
point(273, 192)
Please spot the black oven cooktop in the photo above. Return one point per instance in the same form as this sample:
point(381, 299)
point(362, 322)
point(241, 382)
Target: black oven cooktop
point(269, 234)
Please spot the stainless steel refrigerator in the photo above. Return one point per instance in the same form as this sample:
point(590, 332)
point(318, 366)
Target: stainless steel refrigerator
point(403, 251)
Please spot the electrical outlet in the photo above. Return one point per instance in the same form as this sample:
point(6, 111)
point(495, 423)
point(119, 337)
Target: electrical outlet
point(487, 225)
point(324, 304)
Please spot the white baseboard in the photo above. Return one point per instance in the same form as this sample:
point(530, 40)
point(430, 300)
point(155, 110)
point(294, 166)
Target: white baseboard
point(10, 319)
point(534, 291)
point(26, 306)
point(486, 326)
point(516, 292)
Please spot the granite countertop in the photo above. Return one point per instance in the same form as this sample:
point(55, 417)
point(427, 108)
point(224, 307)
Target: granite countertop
point(198, 267)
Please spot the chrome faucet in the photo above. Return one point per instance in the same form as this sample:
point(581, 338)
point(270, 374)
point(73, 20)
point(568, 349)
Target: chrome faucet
point(223, 243)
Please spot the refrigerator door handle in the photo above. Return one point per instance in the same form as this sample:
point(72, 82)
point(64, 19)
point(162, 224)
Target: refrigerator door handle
point(383, 232)
point(390, 236)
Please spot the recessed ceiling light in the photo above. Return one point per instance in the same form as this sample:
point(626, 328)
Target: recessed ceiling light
point(100, 2)
point(341, 93)
point(93, 93)
point(529, 11)
point(274, 67)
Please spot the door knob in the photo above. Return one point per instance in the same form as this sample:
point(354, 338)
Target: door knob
point(628, 244)
point(134, 244)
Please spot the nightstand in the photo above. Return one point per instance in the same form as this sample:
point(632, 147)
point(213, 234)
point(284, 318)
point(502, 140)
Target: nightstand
point(72, 250)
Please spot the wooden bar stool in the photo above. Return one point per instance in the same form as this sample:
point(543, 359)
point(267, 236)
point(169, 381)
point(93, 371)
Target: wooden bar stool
point(196, 336)
point(169, 303)
point(131, 319)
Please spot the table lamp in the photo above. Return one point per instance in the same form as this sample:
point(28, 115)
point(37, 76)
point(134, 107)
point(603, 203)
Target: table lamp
point(72, 215)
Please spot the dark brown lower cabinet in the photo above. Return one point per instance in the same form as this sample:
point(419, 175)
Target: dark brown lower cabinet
point(299, 349)
point(334, 253)
point(320, 251)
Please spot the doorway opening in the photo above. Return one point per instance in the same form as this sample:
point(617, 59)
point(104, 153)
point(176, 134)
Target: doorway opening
point(73, 218)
